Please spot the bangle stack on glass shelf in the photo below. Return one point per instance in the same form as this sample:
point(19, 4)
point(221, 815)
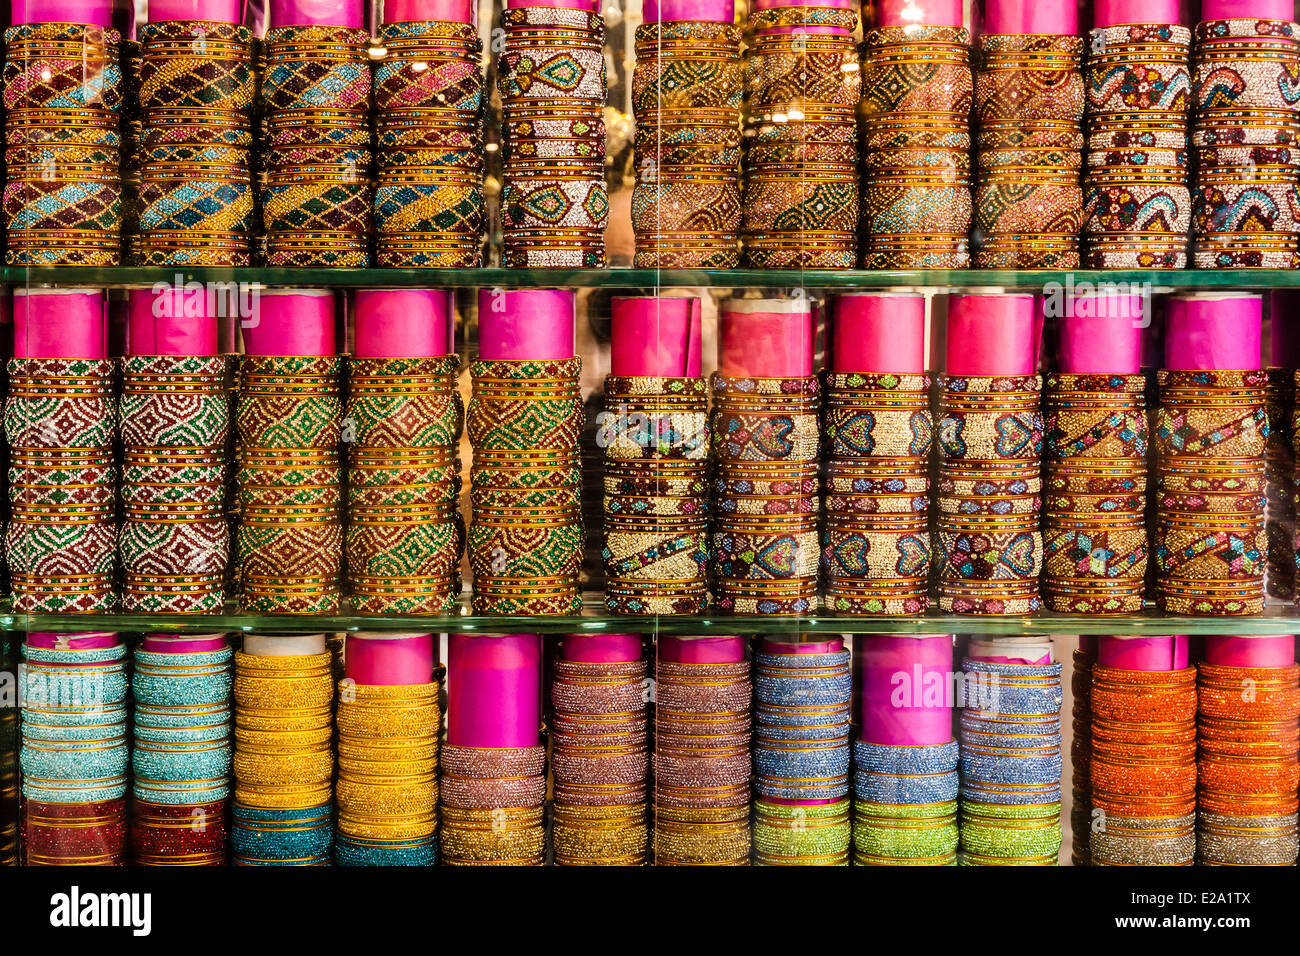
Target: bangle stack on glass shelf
point(1029, 108)
point(656, 440)
point(917, 90)
point(429, 209)
point(315, 102)
point(687, 94)
point(802, 88)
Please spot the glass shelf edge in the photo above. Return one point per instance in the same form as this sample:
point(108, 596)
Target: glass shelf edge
point(595, 621)
point(625, 278)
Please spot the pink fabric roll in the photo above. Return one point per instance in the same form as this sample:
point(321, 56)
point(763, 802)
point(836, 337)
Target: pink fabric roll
point(390, 659)
point(655, 335)
point(702, 650)
point(1247, 9)
point(930, 13)
point(1213, 332)
point(670, 11)
point(97, 13)
point(765, 338)
point(333, 13)
point(60, 323)
point(1106, 338)
point(213, 11)
point(1024, 17)
point(292, 322)
point(878, 332)
point(536, 324)
point(402, 323)
point(1144, 653)
point(771, 645)
point(494, 690)
point(1284, 329)
point(183, 643)
point(74, 641)
point(172, 322)
point(991, 335)
point(446, 11)
point(601, 648)
point(1115, 13)
point(905, 689)
point(1272, 651)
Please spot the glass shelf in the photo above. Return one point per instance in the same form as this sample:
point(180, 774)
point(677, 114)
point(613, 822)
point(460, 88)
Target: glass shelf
point(1158, 280)
point(594, 620)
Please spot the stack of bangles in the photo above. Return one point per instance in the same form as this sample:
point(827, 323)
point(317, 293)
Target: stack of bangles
point(904, 804)
point(429, 209)
point(181, 760)
point(765, 547)
point(1143, 767)
point(60, 425)
point(551, 76)
point(315, 98)
point(1247, 771)
point(1137, 200)
point(196, 97)
point(8, 769)
point(687, 92)
point(990, 440)
point(493, 806)
point(1029, 107)
point(600, 756)
point(1246, 141)
point(75, 750)
point(802, 87)
point(1011, 766)
point(1211, 431)
point(525, 535)
point(1096, 449)
point(387, 787)
point(876, 541)
point(174, 542)
point(63, 189)
point(701, 759)
point(917, 89)
point(284, 761)
point(1081, 754)
point(404, 539)
point(289, 419)
point(656, 495)
point(801, 754)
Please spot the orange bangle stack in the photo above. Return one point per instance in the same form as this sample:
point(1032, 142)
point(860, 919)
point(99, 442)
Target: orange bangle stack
point(1143, 768)
point(1248, 729)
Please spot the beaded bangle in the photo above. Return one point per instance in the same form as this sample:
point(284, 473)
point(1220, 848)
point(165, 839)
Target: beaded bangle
point(686, 207)
point(990, 431)
point(290, 538)
point(63, 834)
point(1211, 430)
point(656, 549)
point(1094, 541)
point(525, 535)
point(876, 542)
point(59, 422)
point(787, 835)
point(917, 82)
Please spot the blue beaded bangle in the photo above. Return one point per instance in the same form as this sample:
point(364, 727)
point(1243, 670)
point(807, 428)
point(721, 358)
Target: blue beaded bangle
point(179, 792)
point(68, 655)
point(891, 758)
point(182, 735)
point(181, 717)
point(837, 731)
point(277, 836)
point(208, 763)
point(351, 852)
point(60, 791)
point(892, 788)
point(114, 725)
point(74, 763)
